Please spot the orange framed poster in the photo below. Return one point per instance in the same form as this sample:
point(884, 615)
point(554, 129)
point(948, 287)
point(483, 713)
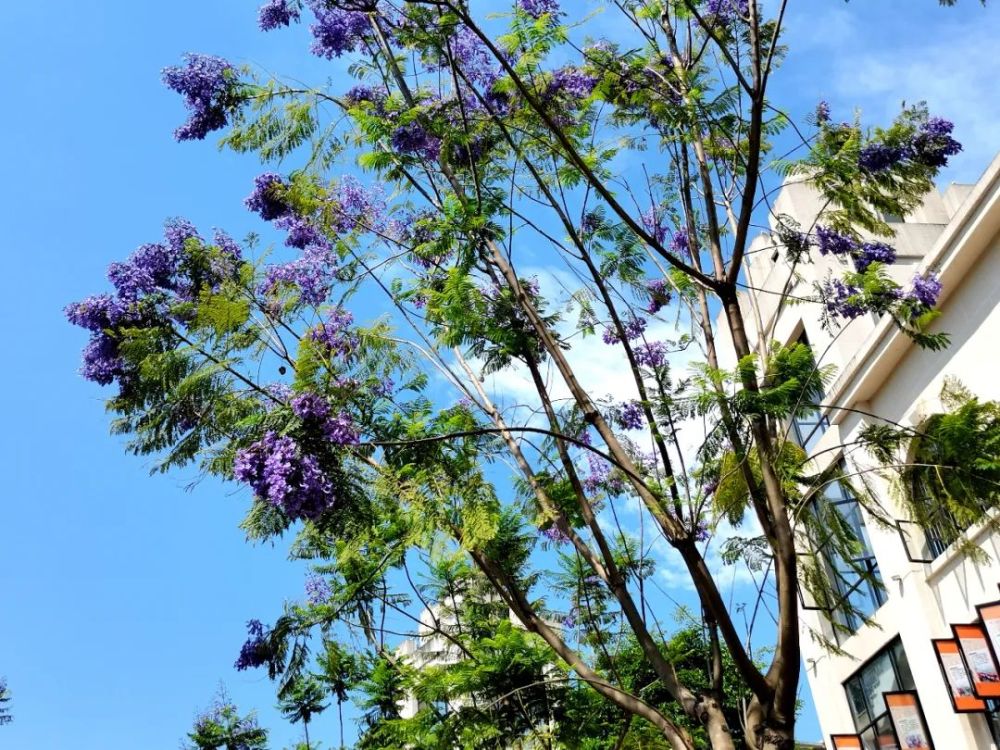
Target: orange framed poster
point(975, 647)
point(956, 676)
point(846, 742)
point(908, 720)
point(989, 613)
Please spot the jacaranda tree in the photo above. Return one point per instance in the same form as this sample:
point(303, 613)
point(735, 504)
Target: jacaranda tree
point(343, 378)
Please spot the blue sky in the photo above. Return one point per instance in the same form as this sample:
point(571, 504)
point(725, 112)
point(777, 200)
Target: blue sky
point(123, 596)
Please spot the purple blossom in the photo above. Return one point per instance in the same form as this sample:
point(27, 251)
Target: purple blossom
point(680, 244)
point(301, 232)
point(281, 391)
point(701, 532)
point(631, 417)
point(227, 245)
point(255, 651)
point(207, 84)
point(318, 591)
point(659, 295)
point(361, 93)
point(358, 209)
point(473, 58)
point(101, 361)
point(601, 477)
point(177, 232)
point(312, 275)
point(276, 13)
point(96, 313)
point(924, 290)
point(591, 222)
point(726, 11)
point(634, 328)
point(334, 333)
point(832, 242)
point(336, 31)
point(572, 82)
point(310, 406)
point(841, 299)
point(148, 268)
point(873, 252)
point(266, 199)
point(538, 8)
point(653, 223)
point(414, 139)
point(933, 144)
point(880, 157)
point(651, 354)
point(555, 535)
point(279, 473)
point(823, 112)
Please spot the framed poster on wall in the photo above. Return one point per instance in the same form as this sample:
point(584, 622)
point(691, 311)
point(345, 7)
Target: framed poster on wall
point(908, 720)
point(990, 615)
point(983, 670)
point(846, 742)
point(956, 676)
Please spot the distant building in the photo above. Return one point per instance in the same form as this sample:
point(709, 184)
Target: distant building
point(930, 584)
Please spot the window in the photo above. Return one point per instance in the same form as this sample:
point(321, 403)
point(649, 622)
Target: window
point(887, 670)
point(809, 425)
point(854, 575)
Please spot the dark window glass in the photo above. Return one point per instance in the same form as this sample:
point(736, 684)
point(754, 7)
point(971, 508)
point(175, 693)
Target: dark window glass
point(889, 670)
point(856, 579)
point(809, 425)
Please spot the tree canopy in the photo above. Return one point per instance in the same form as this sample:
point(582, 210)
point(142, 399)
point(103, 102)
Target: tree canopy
point(401, 385)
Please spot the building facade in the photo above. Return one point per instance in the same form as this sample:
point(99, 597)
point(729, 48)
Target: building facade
point(930, 583)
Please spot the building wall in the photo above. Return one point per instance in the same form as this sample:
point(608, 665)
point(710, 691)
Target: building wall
point(881, 372)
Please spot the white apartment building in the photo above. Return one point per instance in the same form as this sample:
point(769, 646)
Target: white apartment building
point(929, 584)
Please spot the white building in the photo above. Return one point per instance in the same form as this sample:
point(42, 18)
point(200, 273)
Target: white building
point(929, 584)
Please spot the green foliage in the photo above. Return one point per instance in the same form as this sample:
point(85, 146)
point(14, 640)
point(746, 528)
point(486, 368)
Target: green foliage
point(223, 728)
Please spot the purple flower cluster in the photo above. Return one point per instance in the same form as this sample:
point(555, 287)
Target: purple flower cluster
point(150, 267)
point(314, 410)
point(727, 11)
point(880, 157)
point(680, 244)
point(301, 233)
point(472, 57)
point(933, 144)
point(207, 85)
point(312, 275)
point(276, 13)
point(842, 299)
point(930, 146)
point(414, 139)
point(659, 295)
point(873, 252)
point(651, 354)
point(336, 31)
point(554, 534)
point(830, 241)
point(318, 591)
point(155, 275)
point(538, 8)
point(600, 476)
point(97, 313)
point(335, 334)
point(255, 651)
point(631, 417)
point(361, 93)
point(925, 290)
point(823, 112)
point(358, 209)
point(654, 223)
point(281, 474)
point(571, 82)
point(701, 532)
point(266, 198)
point(634, 328)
